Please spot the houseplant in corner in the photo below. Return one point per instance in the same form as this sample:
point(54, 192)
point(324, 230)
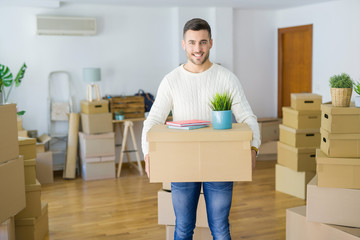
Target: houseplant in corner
point(341, 90)
point(221, 110)
point(119, 115)
point(357, 90)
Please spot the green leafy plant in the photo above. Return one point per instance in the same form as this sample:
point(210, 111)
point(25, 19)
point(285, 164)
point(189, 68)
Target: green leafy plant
point(120, 112)
point(7, 82)
point(221, 102)
point(341, 81)
point(357, 87)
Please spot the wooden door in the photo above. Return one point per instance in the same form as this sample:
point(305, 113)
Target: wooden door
point(294, 63)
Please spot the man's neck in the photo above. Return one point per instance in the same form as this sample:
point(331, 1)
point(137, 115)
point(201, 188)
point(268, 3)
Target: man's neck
point(190, 67)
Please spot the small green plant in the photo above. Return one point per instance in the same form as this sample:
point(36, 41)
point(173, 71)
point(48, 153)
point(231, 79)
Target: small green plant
point(120, 112)
point(357, 87)
point(341, 81)
point(221, 102)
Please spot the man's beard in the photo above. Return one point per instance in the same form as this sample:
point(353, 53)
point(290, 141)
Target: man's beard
point(202, 62)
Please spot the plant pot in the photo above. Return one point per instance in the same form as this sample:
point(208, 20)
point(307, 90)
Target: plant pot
point(119, 117)
point(222, 119)
point(340, 97)
point(357, 101)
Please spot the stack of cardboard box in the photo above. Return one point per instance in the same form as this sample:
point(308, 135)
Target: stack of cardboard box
point(12, 182)
point(97, 141)
point(299, 138)
point(32, 222)
point(333, 196)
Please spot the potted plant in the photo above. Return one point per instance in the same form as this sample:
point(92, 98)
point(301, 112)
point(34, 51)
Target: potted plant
point(119, 115)
point(341, 89)
point(357, 90)
point(221, 110)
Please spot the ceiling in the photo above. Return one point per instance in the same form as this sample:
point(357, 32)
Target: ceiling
point(244, 4)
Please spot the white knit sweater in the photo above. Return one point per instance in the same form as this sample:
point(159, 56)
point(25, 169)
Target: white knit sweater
point(188, 96)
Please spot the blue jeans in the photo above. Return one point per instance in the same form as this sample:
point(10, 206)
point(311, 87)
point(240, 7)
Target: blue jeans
point(185, 198)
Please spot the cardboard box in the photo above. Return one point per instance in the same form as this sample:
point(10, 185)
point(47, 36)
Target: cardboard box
point(297, 159)
point(96, 123)
point(30, 171)
point(267, 151)
point(27, 147)
point(12, 198)
point(200, 233)
point(166, 215)
point(300, 137)
point(199, 155)
point(33, 202)
point(166, 186)
point(7, 229)
point(298, 228)
point(94, 107)
point(23, 133)
point(340, 144)
point(337, 206)
point(340, 119)
point(303, 119)
point(9, 147)
point(269, 129)
point(44, 168)
point(98, 168)
point(19, 123)
point(33, 228)
point(291, 182)
point(305, 101)
point(337, 172)
point(97, 145)
point(40, 147)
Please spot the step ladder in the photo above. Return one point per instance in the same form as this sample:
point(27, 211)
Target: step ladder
point(128, 125)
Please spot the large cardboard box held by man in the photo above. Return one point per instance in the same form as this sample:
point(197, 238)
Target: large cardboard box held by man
point(203, 154)
point(339, 206)
point(9, 146)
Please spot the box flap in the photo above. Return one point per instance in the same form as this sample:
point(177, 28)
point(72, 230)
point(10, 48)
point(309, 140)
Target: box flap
point(30, 162)
point(305, 96)
point(321, 158)
point(297, 149)
point(301, 112)
point(33, 187)
point(330, 109)
point(26, 141)
point(345, 136)
point(239, 132)
point(293, 130)
point(44, 138)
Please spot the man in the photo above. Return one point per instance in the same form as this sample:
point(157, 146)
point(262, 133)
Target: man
point(186, 91)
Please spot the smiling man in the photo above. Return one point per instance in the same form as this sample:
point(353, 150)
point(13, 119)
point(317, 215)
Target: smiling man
point(186, 92)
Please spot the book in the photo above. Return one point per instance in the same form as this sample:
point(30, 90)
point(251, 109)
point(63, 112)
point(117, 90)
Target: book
point(187, 127)
point(187, 123)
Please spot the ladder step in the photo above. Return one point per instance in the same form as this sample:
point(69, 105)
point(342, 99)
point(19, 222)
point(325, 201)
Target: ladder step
point(125, 151)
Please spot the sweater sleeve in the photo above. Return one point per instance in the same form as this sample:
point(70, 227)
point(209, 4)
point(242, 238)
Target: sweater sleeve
point(159, 112)
point(243, 112)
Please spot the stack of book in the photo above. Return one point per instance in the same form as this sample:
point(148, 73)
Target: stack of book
point(187, 124)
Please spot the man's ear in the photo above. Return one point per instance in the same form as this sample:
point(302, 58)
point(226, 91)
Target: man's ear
point(183, 44)
point(211, 43)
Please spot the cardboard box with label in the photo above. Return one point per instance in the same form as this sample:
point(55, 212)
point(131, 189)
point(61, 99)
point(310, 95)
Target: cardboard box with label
point(96, 123)
point(12, 188)
point(337, 172)
point(166, 215)
point(269, 129)
point(200, 233)
point(298, 228)
point(291, 182)
point(9, 146)
point(94, 107)
point(300, 138)
point(44, 168)
point(33, 202)
point(339, 206)
point(305, 101)
point(30, 171)
point(27, 147)
point(303, 119)
point(98, 168)
point(340, 144)
point(297, 159)
point(340, 119)
point(97, 145)
point(33, 228)
point(204, 154)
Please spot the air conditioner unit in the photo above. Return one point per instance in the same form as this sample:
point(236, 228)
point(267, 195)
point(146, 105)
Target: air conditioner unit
point(61, 25)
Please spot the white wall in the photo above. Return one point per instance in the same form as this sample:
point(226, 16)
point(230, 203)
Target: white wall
point(336, 39)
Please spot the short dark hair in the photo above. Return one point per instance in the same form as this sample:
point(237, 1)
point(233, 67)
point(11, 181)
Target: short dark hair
point(197, 24)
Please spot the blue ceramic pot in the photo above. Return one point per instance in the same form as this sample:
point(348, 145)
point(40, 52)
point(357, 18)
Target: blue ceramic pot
point(222, 119)
point(119, 117)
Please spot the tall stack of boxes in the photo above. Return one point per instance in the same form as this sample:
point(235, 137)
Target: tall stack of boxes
point(333, 196)
point(299, 139)
point(32, 222)
point(12, 182)
point(97, 141)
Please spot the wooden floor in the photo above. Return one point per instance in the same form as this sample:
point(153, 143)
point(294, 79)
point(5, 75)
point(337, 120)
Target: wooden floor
point(126, 208)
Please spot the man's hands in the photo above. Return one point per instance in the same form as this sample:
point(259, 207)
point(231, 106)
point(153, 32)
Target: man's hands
point(147, 165)
point(253, 159)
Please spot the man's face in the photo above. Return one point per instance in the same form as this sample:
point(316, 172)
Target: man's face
point(197, 46)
